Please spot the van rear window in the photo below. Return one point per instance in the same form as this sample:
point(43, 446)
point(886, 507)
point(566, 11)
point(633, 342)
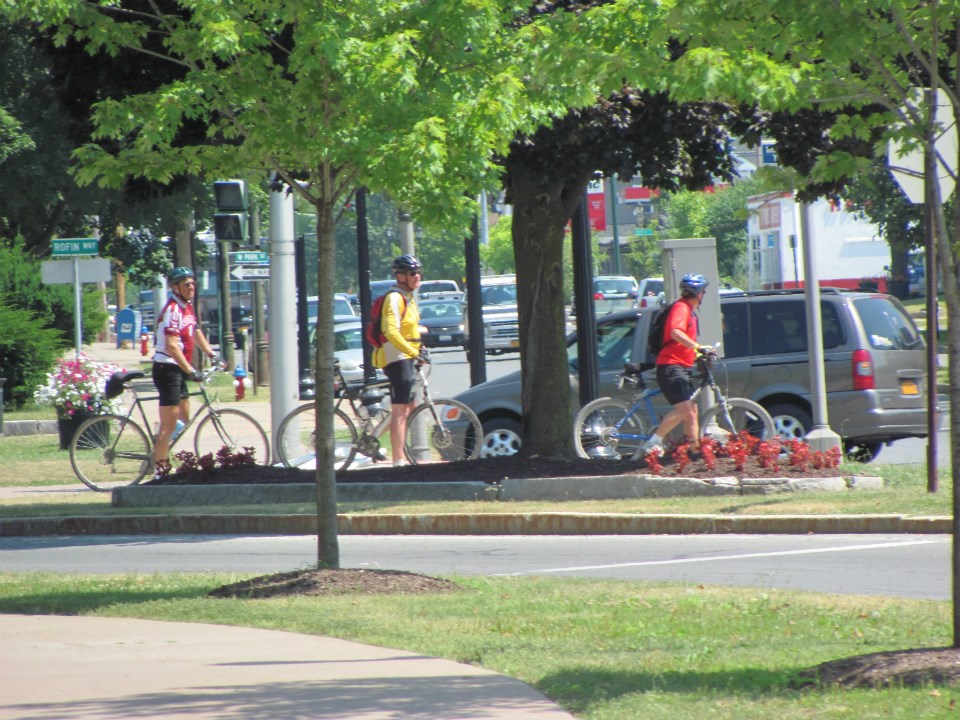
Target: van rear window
point(886, 324)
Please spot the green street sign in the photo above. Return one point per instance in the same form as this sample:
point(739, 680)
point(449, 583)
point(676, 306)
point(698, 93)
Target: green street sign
point(75, 246)
point(249, 257)
point(643, 231)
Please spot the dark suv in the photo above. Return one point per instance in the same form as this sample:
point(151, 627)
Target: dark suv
point(874, 361)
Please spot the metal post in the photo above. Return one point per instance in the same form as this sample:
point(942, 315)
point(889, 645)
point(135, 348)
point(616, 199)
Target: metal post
point(226, 313)
point(615, 223)
point(930, 250)
point(77, 307)
point(583, 302)
point(363, 262)
point(307, 383)
point(476, 354)
point(284, 385)
point(820, 437)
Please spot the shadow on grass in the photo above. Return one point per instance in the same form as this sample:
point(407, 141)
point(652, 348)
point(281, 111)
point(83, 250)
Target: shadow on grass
point(67, 600)
point(578, 689)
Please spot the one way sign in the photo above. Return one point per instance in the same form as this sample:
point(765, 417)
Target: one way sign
point(250, 272)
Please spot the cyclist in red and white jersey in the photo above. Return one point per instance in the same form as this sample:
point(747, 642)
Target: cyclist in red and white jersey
point(177, 332)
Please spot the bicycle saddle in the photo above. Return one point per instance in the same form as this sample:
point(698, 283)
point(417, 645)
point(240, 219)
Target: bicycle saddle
point(116, 382)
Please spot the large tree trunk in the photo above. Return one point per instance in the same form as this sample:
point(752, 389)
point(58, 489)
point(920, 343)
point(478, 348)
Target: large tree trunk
point(541, 207)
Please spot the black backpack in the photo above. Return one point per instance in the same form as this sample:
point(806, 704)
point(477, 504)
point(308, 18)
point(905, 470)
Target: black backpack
point(657, 325)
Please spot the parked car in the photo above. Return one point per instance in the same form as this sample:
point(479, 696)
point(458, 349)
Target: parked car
point(440, 289)
point(650, 292)
point(441, 323)
point(614, 292)
point(501, 321)
point(347, 348)
point(342, 309)
point(874, 359)
point(241, 320)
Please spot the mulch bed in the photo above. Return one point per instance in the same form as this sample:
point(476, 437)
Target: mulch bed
point(490, 470)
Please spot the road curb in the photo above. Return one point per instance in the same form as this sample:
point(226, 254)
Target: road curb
point(547, 523)
point(613, 487)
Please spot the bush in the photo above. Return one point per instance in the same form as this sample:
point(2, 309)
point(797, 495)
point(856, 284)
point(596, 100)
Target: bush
point(21, 287)
point(28, 350)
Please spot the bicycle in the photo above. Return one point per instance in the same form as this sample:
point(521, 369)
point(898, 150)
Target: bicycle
point(114, 448)
point(438, 430)
point(610, 428)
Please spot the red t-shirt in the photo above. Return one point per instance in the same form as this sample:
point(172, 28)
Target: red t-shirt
point(673, 353)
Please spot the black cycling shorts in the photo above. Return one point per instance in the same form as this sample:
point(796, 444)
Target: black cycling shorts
point(676, 382)
point(402, 377)
point(171, 383)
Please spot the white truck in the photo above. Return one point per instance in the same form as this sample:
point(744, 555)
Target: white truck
point(501, 321)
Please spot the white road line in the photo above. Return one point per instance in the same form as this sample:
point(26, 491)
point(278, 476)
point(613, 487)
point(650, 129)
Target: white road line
point(715, 558)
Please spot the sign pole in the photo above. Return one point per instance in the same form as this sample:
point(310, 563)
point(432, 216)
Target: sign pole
point(77, 306)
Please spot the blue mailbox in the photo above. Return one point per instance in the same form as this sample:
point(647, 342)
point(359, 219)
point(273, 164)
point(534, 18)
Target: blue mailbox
point(128, 325)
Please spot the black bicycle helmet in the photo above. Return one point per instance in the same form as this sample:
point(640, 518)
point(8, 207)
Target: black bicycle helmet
point(406, 263)
point(693, 284)
point(178, 274)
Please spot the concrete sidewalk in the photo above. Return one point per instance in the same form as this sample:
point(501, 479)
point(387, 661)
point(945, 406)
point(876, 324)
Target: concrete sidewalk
point(92, 667)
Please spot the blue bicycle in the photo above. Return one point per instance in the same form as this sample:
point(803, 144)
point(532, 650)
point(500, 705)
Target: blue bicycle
point(612, 429)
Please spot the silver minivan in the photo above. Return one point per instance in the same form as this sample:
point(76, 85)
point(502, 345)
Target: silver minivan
point(874, 359)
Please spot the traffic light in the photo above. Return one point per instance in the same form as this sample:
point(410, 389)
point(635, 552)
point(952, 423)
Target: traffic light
point(230, 220)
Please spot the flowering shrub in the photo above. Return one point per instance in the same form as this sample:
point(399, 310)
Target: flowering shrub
point(225, 458)
point(743, 448)
point(78, 385)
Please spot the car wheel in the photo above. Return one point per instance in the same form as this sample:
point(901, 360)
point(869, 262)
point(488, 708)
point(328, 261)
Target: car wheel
point(501, 436)
point(861, 451)
point(791, 422)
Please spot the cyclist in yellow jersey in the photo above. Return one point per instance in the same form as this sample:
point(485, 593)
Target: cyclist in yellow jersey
point(400, 324)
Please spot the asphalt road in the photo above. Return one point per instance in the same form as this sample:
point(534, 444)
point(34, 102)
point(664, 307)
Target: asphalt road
point(904, 566)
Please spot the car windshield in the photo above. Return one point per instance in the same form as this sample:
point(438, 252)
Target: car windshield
point(499, 294)
point(437, 286)
point(886, 324)
point(438, 310)
point(347, 340)
point(342, 306)
point(613, 286)
point(614, 345)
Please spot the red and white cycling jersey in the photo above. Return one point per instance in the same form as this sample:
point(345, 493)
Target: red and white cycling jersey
point(177, 320)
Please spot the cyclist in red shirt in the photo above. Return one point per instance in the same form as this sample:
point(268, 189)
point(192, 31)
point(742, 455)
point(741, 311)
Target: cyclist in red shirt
point(177, 331)
point(675, 363)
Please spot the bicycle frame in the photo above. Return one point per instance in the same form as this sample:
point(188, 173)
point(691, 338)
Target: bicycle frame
point(148, 428)
point(642, 402)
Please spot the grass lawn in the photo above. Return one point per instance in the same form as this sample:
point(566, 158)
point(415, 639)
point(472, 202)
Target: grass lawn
point(603, 650)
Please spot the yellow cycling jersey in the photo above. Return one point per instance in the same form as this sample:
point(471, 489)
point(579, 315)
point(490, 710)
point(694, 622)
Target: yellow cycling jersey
point(400, 323)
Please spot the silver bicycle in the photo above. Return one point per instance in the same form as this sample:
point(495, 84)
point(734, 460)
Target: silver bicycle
point(438, 430)
point(112, 449)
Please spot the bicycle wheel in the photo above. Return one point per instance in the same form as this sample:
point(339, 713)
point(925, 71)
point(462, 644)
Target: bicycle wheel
point(444, 431)
point(110, 450)
point(297, 442)
point(745, 415)
point(595, 435)
point(232, 429)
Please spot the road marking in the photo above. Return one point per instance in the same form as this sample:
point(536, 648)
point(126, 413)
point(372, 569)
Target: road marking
point(713, 558)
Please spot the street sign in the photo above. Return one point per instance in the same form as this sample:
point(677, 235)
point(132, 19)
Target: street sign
point(63, 247)
point(250, 272)
point(643, 231)
point(907, 169)
point(89, 270)
point(248, 257)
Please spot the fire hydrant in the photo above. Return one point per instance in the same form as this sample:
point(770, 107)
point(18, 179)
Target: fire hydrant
point(240, 381)
point(144, 336)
